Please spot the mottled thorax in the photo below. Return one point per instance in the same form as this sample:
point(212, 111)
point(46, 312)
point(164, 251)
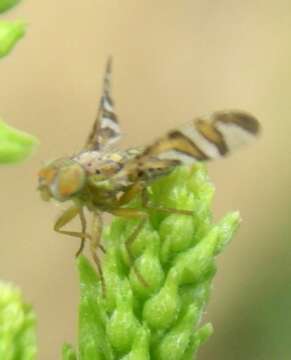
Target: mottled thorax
point(99, 163)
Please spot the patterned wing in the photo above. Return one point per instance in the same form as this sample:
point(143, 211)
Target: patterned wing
point(105, 131)
point(205, 138)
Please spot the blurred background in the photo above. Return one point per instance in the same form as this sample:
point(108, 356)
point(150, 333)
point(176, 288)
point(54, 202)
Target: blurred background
point(173, 60)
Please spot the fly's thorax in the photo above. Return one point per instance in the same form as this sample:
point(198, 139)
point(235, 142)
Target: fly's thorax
point(106, 175)
point(61, 179)
point(101, 164)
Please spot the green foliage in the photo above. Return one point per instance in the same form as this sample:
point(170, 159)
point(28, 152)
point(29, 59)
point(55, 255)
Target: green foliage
point(17, 320)
point(7, 4)
point(17, 326)
point(10, 33)
point(68, 353)
point(175, 255)
point(15, 145)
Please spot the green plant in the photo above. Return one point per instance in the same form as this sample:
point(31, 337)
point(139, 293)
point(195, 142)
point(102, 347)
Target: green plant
point(10, 33)
point(175, 254)
point(7, 4)
point(17, 320)
point(15, 145)
point(17, 325)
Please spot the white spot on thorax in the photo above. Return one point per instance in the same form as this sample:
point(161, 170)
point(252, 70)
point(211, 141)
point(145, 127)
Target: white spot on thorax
point(90, 160)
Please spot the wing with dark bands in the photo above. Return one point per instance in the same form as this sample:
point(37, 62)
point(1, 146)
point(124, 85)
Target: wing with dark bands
point(205, 138)
point(106, 130)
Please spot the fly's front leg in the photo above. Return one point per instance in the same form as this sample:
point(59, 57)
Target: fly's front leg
point(145, 203)
point(130, 213)
point(83, 225)
point(67, 217)
point(97, 226)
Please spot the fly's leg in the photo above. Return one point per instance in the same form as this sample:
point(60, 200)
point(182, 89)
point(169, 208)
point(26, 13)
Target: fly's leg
point(83, 225)
point(130, 194)
point(129, 213)
point(145, 203)
point(139, 188)
point(67, 217)
point(97, 226)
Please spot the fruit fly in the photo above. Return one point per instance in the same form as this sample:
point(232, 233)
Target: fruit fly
point(102, 179)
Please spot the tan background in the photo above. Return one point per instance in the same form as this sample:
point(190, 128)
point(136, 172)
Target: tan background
point(172, 60)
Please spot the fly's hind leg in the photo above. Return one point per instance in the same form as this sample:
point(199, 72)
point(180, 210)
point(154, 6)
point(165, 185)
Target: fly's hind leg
point(67, 217)
point(97, 227)
point(146, 205)
point(130, 213)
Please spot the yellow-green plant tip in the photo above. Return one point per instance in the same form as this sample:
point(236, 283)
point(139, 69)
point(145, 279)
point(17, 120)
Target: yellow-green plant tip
point(161, 310)
point(15, 145)
point(154, 301)
point(140, 347)
point(177, 238)
point(192, 266)
point(198, 338)
point(175, 343)
point(17, 325)
point(204, 332)
point(227, 227)
point(122, 324)
point(10, 33)
point(92, 339)
point(68, 353)
point(7, 4)
point(148, 265)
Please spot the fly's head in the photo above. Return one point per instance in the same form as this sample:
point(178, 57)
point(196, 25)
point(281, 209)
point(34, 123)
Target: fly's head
point(61, 179)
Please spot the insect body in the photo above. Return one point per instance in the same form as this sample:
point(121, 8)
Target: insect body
point(104, 180)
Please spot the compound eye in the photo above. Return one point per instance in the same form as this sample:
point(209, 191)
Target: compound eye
point(68, 182)
point(46, 175)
